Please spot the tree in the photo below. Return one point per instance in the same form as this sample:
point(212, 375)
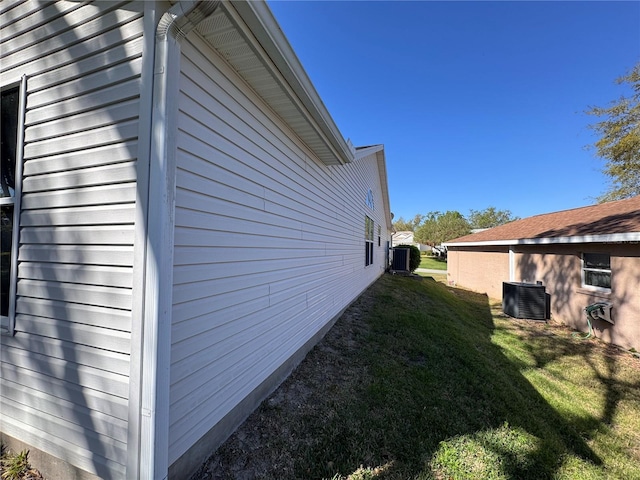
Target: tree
point(619, 144)
point(402, 225)
point(440, 227)
point(489, 217)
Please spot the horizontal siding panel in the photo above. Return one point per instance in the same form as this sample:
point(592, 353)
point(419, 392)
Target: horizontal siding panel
point(18, 64)
point(207, 238)
point(80, 415)
point(194, 183)
point(106, 77)
point(120, 112)
point(214, 205)
point(60, 36)
point(232, 282)
point(94, 157)
point(110, 342)
point(74, 312)
point(233, 254)
point(72, 112)
point(31, 15)
point(58, 387)
point(82, 140)
point(109, 174)
point(18, 9)
point(80, 375)
point(99, 355)
point(77, 254)
point(89, 65)
point(85, 459)
point(196, 326)
point(210, 271)
point(76, 293)
point(100, 195)
point(82, 235)
point(112, 449)
point(227, 303)
point(85, 274)
point(191, 219)
point(114, 214)
point(228, 359)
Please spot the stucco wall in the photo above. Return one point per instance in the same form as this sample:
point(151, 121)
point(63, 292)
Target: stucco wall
point(481, 271)
point(558, 267)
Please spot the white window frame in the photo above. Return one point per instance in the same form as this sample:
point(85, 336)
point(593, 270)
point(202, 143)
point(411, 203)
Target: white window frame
point(8, 323)
point(369, 228)
point(584, 269)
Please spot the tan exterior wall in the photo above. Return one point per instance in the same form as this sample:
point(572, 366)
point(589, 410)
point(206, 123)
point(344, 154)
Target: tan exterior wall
point(558, 267)
point(481, 271)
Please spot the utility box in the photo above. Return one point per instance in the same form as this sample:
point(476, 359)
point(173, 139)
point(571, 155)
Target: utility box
point(525, 300)
point(401, 257)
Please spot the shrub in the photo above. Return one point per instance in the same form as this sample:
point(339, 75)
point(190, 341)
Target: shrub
point(414, 256)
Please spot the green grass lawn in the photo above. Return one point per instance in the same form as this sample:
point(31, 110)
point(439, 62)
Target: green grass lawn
point(433, 263)
point(455, 390)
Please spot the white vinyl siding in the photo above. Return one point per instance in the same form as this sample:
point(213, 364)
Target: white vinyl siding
point(65, 374)
point(268, 244)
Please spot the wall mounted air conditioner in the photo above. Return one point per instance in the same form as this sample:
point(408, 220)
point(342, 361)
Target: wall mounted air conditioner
point(525, 300)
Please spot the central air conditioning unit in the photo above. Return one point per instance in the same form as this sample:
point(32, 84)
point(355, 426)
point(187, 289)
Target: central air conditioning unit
point(525, 300)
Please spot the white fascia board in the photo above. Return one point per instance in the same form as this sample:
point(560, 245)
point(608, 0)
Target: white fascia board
point(366, 151)
point(265, 28)
point(610, 238)
point(382, 168)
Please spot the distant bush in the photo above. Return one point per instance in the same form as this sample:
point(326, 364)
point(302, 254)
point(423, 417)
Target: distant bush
point(414, 256)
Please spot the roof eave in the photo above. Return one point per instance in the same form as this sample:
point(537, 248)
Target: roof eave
point(291, 75)
point(607, 238)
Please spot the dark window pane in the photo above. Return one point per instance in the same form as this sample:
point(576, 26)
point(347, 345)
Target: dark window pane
point(8, 141)
point(597, 260)
point(597, 279)
point(6, 219)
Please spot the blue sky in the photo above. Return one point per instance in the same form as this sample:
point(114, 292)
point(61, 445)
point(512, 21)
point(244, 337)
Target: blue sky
point(478, 104)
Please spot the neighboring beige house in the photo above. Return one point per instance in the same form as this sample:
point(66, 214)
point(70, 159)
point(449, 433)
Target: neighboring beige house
point(582, 256)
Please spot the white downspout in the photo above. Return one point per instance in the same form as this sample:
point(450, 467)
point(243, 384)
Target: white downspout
point(156, 343)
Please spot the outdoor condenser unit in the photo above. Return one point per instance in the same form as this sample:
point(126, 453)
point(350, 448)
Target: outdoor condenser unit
point(525, 300)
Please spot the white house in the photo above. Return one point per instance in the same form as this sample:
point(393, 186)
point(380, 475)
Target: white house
point(181, 222)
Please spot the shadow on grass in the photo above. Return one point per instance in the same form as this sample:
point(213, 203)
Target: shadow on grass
point(438, 390)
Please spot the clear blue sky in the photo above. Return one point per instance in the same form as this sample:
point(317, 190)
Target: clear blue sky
point(479, 103)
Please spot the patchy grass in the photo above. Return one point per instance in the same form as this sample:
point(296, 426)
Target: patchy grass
point(15, 466)
point(419, 380)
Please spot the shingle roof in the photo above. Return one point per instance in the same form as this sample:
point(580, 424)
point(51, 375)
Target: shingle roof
point(611, 219)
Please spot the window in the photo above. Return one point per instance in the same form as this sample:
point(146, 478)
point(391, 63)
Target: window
point(596, 271)
point(10, 157)
point(379, 234)
point(368, 241)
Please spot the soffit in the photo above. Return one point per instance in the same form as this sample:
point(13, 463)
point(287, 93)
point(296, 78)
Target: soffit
point(226, 32)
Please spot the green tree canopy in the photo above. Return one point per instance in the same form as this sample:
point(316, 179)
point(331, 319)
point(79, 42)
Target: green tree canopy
point(441, 227)
point(402, 225)
point(489, 217)
point(619, 142)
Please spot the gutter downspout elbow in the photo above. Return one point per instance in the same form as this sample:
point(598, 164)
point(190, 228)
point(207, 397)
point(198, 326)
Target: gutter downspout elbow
point(172, 27)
